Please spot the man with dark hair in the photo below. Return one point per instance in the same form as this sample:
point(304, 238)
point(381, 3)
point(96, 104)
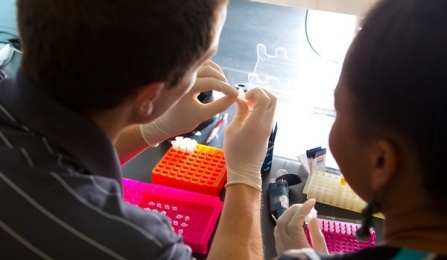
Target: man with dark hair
point(99, 82)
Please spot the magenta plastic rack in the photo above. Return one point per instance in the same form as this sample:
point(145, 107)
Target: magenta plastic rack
point(340, 236)
point(193, 215)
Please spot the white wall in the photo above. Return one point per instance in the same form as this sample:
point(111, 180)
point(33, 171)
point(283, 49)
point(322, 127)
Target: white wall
point(353, 7)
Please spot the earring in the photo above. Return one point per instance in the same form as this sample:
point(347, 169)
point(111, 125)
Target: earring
point(371, 208)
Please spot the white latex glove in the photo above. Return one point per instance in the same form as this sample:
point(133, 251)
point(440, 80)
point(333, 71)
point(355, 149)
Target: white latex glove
point(189, 112)
point(289, 232)
point(246, 138)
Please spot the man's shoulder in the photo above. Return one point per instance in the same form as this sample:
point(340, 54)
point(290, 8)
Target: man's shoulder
point(86, 214)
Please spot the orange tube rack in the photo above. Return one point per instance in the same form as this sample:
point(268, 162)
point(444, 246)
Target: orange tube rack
point(202, 171)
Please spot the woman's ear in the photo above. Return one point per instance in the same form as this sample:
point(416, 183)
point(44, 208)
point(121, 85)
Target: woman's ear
point(385, 163)
point(146, 96)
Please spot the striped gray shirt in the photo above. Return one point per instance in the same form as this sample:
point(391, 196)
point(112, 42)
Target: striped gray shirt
point(60, 188)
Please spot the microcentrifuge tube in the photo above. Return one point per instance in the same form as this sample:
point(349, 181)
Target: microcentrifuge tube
point(175, 144)
point(312, 214)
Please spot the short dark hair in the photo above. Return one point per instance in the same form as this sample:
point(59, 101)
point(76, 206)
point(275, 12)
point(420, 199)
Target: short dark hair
point(396, 75)
point(90, 55)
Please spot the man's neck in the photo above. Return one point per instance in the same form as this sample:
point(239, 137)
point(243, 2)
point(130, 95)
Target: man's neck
point(111, 122)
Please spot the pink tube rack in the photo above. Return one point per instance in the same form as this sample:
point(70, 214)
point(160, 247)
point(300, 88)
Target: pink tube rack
point(203, 170)
point(340, 236)
point(193, 215)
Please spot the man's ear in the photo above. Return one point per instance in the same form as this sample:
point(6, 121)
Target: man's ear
point(385, 164)
point(146, 96)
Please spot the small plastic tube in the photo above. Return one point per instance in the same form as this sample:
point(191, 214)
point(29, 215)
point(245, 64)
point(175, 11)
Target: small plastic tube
point(175, 145)
point(183, 147)
point(312, 214)
point(191, 145)
point(241, 94)
point(186, 145)
point(249, 103)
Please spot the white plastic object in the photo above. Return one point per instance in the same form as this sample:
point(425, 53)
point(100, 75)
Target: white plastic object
point(280, 172)
point(186, 145)
point(5, 53)
point(332, 189)
point(277, 174)
point(329, 189)
point(312, 214)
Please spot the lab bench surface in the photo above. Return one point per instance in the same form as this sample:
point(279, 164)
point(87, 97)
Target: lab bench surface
point(141, 166)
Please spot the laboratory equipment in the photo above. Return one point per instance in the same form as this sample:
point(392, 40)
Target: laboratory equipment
point(278, 192)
